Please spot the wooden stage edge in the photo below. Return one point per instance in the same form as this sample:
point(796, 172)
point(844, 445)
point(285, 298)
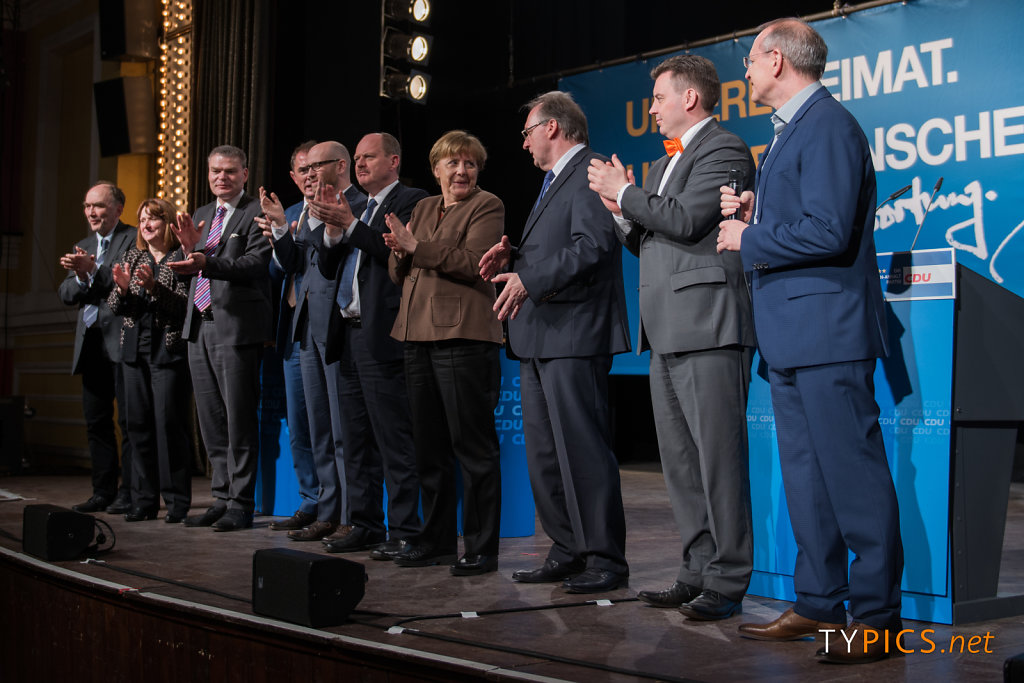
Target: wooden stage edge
point(173, 604)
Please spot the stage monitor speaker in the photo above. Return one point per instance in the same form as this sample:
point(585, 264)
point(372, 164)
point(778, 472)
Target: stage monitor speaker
point(305, 588)
point(129, 30)
point(125, 115)
point(55, 533)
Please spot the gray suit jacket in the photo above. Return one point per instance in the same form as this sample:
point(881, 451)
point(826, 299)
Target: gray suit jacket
point(571, 265)
point(691, 298)
point(122, 238)
point(239, 278)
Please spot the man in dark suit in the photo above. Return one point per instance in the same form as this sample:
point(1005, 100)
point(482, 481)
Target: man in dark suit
point(566, 312)
point(97, 356)
point(283, 286)
point(807, 236)
point(375, 420)
point(695, 318)
point(315, 324)
point(228, 322)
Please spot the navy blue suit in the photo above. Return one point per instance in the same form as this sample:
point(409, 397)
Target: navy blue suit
point(313, 325)
point(573, 321)
point(820, 324)
point(288, 350)
point(376, 421)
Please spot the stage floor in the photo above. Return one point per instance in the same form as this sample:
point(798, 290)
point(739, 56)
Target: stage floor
point(569, 638)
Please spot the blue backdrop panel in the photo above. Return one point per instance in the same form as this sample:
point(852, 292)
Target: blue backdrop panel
point(935, 87)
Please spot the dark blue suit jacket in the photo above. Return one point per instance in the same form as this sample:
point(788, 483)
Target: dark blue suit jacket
point(278, 282)
point(570, 261)
point(379, 297)
point(815, 288)
point(315, 291)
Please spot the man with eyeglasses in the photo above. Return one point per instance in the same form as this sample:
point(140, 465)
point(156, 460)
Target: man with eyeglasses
point(566, 310)
point(284, 285)
point(806, 235)
point(315, 324)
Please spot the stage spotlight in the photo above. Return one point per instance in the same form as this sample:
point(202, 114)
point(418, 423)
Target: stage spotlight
point(408, 10)
point(413, 48)
point(413, 85)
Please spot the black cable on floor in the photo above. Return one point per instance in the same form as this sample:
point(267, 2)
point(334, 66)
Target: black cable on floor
point(510, 610)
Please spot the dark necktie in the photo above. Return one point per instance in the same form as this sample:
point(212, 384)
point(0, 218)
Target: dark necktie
point(548, 177)
point(348, 272)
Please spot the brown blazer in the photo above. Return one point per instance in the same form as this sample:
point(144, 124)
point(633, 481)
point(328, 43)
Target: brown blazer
point(443, 296)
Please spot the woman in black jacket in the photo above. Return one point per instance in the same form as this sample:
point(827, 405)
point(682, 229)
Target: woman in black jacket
point(152, 300)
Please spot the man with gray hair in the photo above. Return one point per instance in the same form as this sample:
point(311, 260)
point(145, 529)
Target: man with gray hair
point(806, 235)
point(97, 356)
point(228, 322)
point(566, 311)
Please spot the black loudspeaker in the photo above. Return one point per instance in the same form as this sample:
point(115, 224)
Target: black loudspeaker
point(129, 30)
point(1013, 669)
point(125, 115)
point(55, 533)
point(305, 588)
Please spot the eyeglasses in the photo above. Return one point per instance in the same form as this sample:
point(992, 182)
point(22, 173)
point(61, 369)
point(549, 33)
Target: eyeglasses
point(317, 165)
point(529, 129)
point(747, 61)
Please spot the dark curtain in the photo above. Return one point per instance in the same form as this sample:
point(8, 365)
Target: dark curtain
point(231, 86)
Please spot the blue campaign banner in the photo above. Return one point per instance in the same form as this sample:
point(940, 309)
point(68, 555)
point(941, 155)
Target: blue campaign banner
point(935, 87)
point(933, 84)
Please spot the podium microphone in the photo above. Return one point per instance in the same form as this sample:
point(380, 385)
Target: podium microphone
point(895, 195)
point(735, 178)
point(921, 224)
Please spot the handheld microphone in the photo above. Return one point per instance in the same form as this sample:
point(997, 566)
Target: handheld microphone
point(926, 212)
point(895, 195)
point(735, 178)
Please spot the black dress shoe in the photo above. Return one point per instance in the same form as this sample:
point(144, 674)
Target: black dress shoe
point(711, 606)
point(207, 518)
point(423, 556)
point(298, 520)
point(175, 517)
point(139, 514)
point(357, 539)
point(94, 504)
point(594, 580)
point(233, 520)
point(679, 593)
point(388, 549)
point(552, 572)
point(121, 504)
point(474, 565)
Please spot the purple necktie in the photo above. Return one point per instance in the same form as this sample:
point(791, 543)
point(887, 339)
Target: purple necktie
point(202, 297)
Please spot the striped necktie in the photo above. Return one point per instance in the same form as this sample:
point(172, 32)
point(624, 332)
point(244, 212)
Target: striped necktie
point(202, 297)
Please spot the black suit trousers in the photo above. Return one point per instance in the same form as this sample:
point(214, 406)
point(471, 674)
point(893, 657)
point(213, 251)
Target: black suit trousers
point(453, 391)
point(102, 384)
point(158, 404)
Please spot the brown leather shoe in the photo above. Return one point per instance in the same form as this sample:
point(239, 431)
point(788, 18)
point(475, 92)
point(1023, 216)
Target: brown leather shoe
point(858, 644)
point(314, 532)
point(339, 534)
point(790, 626)
point(299, 520)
